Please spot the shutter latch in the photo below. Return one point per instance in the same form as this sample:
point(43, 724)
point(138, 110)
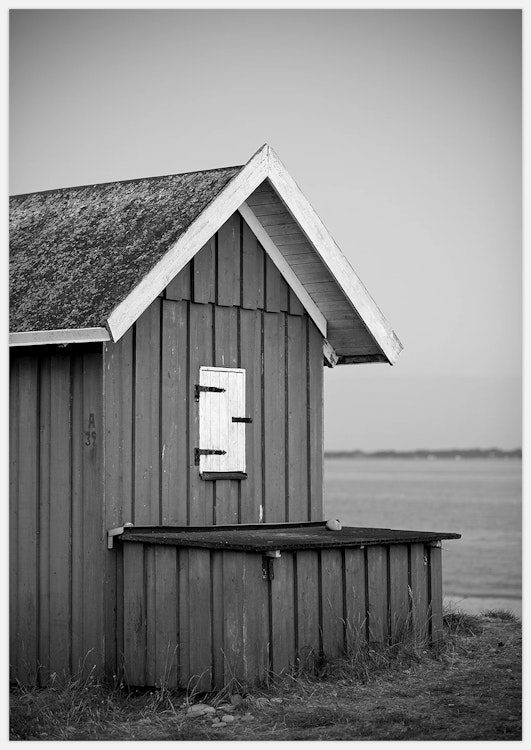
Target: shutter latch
point(207, 452)
point(207, 389)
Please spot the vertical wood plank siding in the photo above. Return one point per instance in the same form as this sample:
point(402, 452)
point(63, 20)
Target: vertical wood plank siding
point(227, 308)
point(57, 545)
point(225, 621)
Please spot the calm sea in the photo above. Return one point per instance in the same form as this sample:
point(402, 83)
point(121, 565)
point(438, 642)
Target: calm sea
point(481, 499)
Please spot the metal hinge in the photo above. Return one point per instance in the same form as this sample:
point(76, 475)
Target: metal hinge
point(207, 389)
point(207, 452)
point(247, 420)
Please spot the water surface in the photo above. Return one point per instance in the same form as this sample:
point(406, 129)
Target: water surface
point(481, 499)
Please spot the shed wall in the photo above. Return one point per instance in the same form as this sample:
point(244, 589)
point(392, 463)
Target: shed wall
point(229, 307)
point(57, 537)
point(241, 625)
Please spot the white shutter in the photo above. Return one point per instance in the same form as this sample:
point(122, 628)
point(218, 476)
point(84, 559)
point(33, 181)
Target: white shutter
point(217, 431)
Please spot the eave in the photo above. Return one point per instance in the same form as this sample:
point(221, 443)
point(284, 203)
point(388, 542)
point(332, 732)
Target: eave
point(60, 336)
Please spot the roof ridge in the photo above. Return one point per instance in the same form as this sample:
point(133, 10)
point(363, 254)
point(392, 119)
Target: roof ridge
point(119, 182)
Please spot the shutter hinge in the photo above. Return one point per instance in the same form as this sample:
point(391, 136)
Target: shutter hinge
point(246, 420)
point(207, 389)
point(207, 452)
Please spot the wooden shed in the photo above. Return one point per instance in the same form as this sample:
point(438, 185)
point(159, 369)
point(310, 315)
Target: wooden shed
point(168, 337)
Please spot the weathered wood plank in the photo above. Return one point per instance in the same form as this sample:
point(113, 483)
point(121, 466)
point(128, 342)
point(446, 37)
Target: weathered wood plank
point(312, 272)
point(255, 621)
point(184, 594)
point(166, 623)
point(267, 209)
point(300, 254)
point(282, 217)
point(44, 519)
point(200, 632)
point(93, 523)
point(26, 541)
point(180, 287)
point(315, 420)
point(14, 504)
point(419, 590)
point(263, 198)
point(303, 262)
point(274, 419)
point(321, 285)
point(151, 583)
point(308, 646)
point(251, 361)
point(272, 286)
point(295, 306)
point(114, 593)
point(79, 427)
point(201, 508)
point(60, 515)
point(355, 603)
point(282, 643)
point(252, 271)
point(398, 591)
point(377, 593)
point(297, 446)
point(335, 306)
point(134, 614)
point(228, 282)
point(204, 278)
point(118, 400)
point(332, 618)
point(147, 416)
point(233, 625)
point(436, 596)
point(290, 239)
point(218, 658)
point(277, 290)
point(119, 404)
point(226, 354)
point(174, 413)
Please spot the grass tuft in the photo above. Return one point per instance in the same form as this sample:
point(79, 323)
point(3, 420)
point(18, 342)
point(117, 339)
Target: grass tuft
point(500, 614)
point(463, 623)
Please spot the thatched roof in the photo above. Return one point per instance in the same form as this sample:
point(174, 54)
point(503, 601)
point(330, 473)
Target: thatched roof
point(76, 253)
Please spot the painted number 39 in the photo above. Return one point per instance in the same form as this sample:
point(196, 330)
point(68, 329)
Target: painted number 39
point(90, 434)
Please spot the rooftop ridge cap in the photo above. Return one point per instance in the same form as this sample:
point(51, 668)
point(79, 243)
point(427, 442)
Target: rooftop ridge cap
point(119, 182)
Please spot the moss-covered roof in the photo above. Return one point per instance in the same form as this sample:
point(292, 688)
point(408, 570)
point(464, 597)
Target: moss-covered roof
point(76, 253)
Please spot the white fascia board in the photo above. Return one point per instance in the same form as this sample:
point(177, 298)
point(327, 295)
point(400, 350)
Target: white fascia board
point(198, 233)
point(283, 266)
point(333, 258)
point(59, 336)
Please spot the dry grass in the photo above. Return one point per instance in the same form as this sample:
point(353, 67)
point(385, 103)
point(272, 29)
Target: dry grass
point(468, 689)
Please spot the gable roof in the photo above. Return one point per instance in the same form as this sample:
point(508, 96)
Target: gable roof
point(87, 261)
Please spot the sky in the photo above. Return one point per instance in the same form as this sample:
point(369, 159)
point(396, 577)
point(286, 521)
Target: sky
point(402, 128)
